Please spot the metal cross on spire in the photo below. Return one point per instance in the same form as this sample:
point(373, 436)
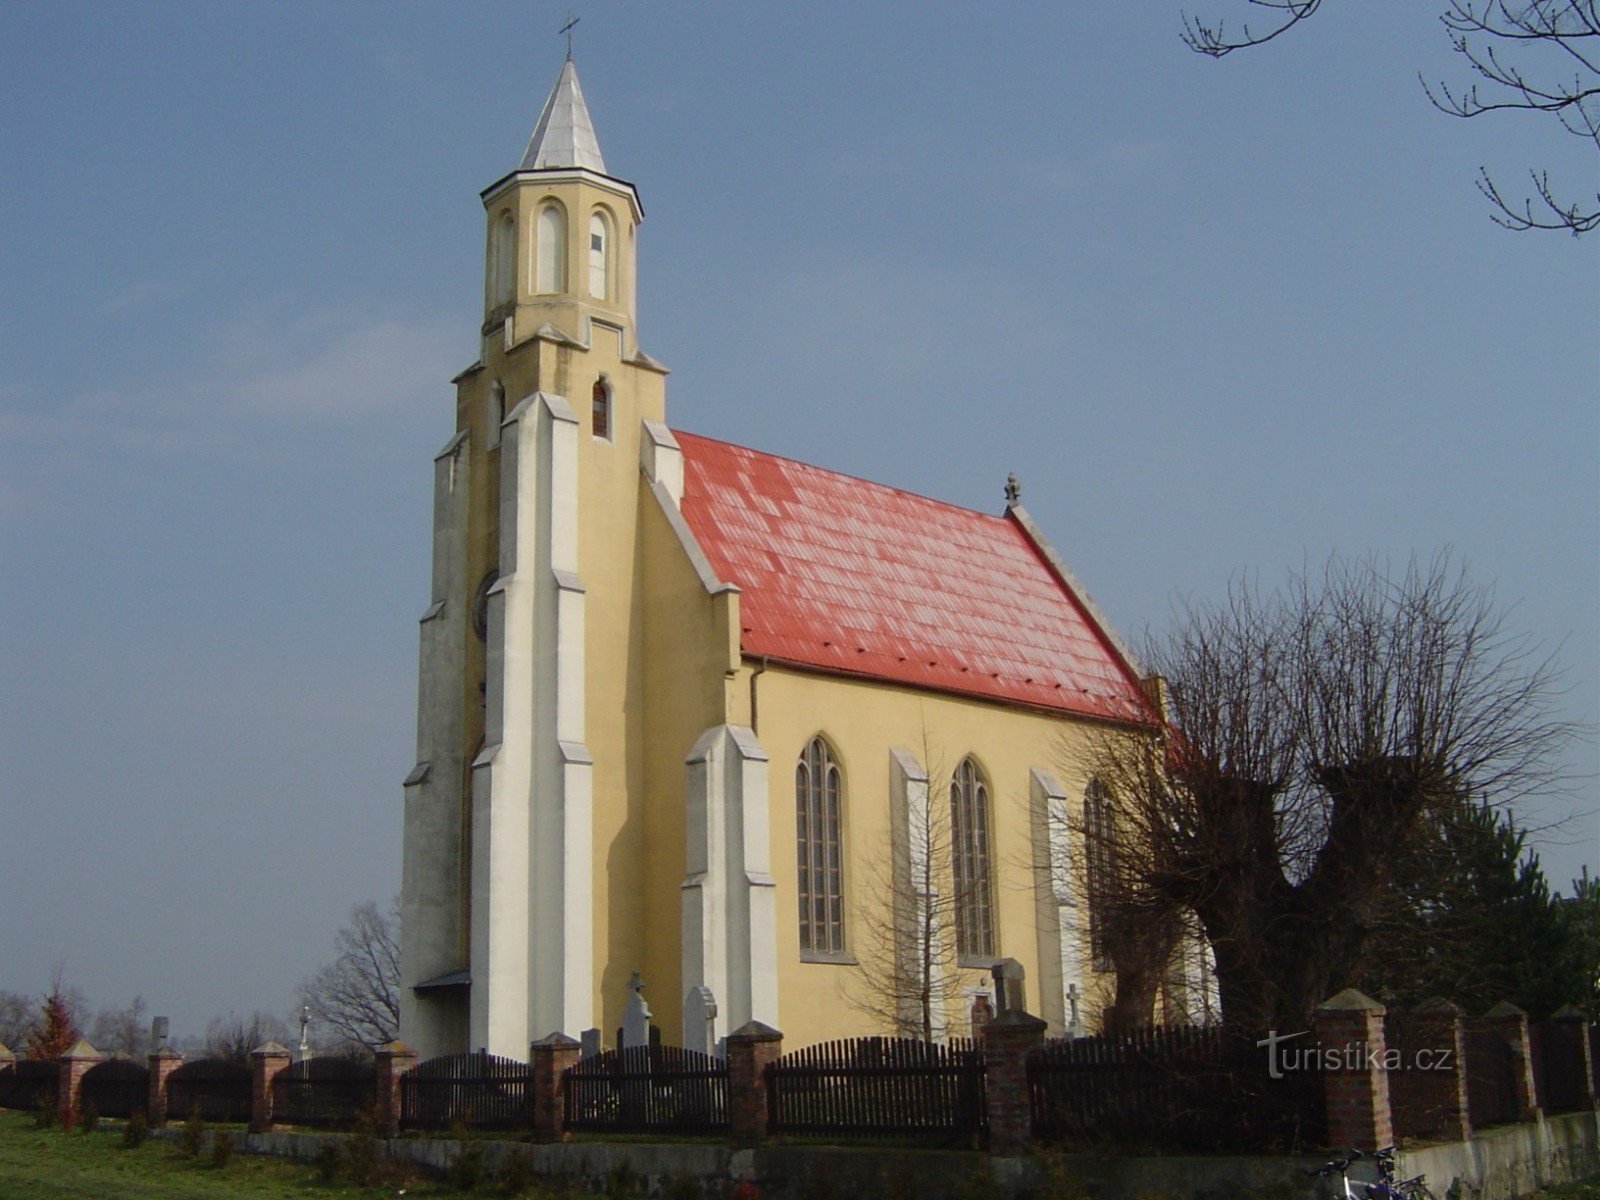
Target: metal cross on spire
point(567, 29)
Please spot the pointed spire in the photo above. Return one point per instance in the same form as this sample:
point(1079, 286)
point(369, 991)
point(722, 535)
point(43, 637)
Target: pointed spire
point(564, 136)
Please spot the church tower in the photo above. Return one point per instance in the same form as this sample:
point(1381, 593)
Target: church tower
point(531, 644)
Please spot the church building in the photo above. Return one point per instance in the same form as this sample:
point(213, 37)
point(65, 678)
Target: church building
point(702, 712)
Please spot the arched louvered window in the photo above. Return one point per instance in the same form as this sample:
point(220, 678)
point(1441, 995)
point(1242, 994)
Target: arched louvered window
point(599, 256)
point(969, 829)
point(601, 407)
point(1100, 847)
point(818, 795)
point(551, 251)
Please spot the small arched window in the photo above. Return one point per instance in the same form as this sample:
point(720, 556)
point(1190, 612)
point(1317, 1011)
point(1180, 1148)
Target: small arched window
point(1100, 853)
point(503, 261)
point(818, 793)
point(599, 256)
point(602, 408)
point(497, 413)
point(551, 253)
point(969, 828)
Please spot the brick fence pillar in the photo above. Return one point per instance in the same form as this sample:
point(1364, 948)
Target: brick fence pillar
point(266, 1060)
point(751, 1048)
point(1567, 1039)
point(394, 1060)
point(162, 1063)
point(1441, 1079)
point(1511, 1023)
point(1354, 1081)
point(74, 1064)
point(549, 1058)
point(1008, 1039)
point(7, 1059)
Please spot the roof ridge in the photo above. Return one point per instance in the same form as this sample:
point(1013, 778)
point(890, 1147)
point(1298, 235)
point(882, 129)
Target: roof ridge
point(888, 487)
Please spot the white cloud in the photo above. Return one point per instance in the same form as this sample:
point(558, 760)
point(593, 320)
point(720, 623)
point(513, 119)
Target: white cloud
point(317, 367)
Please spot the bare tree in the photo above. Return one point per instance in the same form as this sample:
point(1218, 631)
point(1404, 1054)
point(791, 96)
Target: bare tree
point(357, 995)
point(122, 1030)
point(907, 929)
point(17, 1016)
point(233, 1038)
point(1540, 56)
point(1310, 732)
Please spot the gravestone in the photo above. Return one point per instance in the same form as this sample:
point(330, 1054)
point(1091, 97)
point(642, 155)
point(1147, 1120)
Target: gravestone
point(636, 1014)
point(699, 1020)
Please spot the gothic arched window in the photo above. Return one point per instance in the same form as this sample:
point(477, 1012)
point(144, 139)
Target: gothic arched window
point(503, 259)
point(602, 408)
point(550, 259)
point(1100, 846)
point(969, 832)
point(599, 256)
point(818, 794)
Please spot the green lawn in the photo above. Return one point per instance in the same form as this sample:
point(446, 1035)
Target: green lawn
point(47, 1164)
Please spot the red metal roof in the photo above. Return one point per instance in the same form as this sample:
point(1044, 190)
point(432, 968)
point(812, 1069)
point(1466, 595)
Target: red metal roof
point(845, 575)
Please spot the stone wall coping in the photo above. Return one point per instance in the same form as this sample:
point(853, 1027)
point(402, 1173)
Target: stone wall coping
point(755, 1031)
point(1351, 1000)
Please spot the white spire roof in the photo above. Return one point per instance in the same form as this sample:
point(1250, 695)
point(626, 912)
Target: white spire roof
point(564, 136)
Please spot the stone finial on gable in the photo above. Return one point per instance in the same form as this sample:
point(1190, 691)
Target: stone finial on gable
point(1013, 490)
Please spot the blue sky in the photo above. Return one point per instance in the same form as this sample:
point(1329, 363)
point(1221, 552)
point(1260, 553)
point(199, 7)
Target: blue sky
point(1218, 316)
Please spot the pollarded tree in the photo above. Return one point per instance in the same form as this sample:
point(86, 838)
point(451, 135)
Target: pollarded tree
point(1311, 732)
point(1539, 56)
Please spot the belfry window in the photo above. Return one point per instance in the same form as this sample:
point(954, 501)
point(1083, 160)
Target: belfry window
point(599, 257)
point(550, 258)
point(819, 848)
point(503, 259)
point(602, 408)
point(969, 829)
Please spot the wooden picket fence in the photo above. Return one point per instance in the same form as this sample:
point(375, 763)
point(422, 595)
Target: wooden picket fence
point(1191, 1088)
point(647, 1089)
point(480, 1091)
point(323, 1093)
point(878, 1087)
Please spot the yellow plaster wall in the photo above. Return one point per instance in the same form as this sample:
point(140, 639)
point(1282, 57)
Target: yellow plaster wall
point(685, 647)
point(864, 720)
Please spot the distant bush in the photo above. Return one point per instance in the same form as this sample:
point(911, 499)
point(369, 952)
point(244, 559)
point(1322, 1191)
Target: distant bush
point(44, 1113)
point(88, 1117)
point(193, 1138)
point(221, 1149)
point(136, 1131)
point(466, 1169)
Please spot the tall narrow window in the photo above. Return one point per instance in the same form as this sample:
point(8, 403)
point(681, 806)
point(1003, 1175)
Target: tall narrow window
point(497, 413)
point(969, 830)
point(504, 258)
point(1099, 836)
point(602, 408)
point(817, 792)
point(551, 254)
point(599, 257)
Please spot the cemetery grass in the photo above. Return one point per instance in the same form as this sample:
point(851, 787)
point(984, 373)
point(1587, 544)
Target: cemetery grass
point(48, 1164)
